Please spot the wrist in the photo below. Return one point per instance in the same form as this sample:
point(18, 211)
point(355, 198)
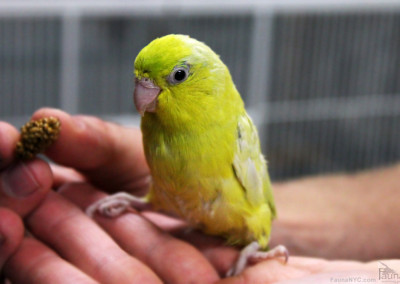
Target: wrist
point(312, 220)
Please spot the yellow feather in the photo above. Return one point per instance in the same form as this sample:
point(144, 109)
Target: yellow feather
point(202, 148)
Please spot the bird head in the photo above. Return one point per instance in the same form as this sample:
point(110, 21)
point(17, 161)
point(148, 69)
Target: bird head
point(176, 75)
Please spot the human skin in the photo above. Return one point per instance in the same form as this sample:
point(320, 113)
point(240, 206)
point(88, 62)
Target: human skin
point(148, 246)
point(341, 216)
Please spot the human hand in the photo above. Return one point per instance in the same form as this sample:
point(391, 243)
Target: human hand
point(110, 157)
point(297, 270)
point(69, 245)
point(23, 185)
point(340, 216)
point(304, 270)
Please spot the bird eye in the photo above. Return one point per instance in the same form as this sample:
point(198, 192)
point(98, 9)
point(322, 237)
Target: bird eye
point(178, 75)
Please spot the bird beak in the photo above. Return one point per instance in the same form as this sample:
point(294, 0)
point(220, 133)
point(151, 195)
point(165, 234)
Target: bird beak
point(145, 95)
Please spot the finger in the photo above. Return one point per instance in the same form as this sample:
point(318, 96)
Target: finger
point(297, 270)
point(220, 255)
point(11, 234)
point(111, 156)
point(174, 260)
point(338, 276)
point(304, 270)
point(79, 240)
point(63, 175)
point(268, 271)
point(8, 140)
point(35, 263)
point(24, 184)
point(317, 265)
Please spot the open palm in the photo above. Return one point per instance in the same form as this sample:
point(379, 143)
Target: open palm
point(64, 245)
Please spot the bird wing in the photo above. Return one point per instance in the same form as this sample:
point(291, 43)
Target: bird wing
point(250, 166)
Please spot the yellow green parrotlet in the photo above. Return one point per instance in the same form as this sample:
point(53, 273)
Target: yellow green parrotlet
point(201, 146)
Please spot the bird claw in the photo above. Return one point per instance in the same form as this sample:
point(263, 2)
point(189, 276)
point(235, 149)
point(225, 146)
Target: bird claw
point(251, 253)
point(116, 204)
point(277, 251)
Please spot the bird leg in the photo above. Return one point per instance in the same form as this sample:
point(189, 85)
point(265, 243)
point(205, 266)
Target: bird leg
point(252, 253)
point(114, 205)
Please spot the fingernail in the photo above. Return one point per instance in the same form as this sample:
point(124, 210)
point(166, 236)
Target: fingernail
point(18, 181)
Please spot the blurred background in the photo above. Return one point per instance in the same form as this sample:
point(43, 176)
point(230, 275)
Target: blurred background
point(319, 78)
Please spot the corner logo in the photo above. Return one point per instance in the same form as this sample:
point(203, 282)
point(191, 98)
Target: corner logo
point(388, 275)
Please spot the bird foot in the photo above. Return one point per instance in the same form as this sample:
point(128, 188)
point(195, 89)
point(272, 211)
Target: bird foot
point(116, 204)
point(252, 253)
